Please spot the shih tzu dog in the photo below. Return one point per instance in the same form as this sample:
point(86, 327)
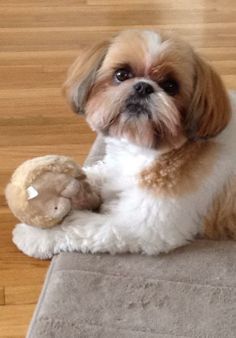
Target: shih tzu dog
point(169, 170)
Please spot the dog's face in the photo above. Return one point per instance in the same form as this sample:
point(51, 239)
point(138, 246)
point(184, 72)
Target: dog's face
point(149, 89)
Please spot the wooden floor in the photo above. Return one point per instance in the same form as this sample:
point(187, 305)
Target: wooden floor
point(38, 40)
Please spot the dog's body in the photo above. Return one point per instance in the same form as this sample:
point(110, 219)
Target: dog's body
point(131, 219)
point(155, 197)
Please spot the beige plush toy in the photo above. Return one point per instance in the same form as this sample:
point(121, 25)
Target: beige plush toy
point(43, 190)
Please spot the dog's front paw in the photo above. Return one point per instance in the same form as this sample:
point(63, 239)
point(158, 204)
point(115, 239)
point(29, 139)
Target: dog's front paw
point(33, 241)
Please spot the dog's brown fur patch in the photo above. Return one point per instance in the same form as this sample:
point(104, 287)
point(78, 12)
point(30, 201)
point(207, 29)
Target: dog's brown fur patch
point(209, 111)
point(180, 171)
point(220, 222)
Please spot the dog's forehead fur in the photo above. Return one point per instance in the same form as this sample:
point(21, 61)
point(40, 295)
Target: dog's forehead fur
point(149, 52)
point(142, 47)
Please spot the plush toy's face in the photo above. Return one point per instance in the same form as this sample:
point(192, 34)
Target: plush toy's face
point(55, 195)
point(50, 205)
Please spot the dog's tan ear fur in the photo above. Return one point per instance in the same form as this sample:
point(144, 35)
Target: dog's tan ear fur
point(82, 74)
point(209, 110)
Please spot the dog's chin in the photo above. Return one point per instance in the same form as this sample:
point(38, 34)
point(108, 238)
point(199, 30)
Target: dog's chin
point(134, 123)
point(140, 126)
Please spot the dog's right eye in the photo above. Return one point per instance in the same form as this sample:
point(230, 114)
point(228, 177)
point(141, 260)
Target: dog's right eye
point(123, 74)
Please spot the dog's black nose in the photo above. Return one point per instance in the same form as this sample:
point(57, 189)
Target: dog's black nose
point(143, 89)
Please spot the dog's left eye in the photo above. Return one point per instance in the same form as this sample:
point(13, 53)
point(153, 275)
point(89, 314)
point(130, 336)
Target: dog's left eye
point(123, 74)
point(170, 86)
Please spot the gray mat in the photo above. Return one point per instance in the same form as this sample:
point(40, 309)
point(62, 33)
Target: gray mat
point(190, 292)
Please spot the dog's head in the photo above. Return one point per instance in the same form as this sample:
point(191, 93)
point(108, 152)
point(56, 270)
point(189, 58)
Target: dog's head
point(148, 88)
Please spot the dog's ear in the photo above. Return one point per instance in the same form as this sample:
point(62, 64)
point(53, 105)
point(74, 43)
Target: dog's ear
point(209, 111)
point(82, 74)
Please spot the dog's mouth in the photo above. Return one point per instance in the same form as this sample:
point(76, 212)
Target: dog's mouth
point(136, 108)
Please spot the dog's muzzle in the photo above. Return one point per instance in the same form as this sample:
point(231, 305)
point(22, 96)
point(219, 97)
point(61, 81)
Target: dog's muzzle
point(136, 106)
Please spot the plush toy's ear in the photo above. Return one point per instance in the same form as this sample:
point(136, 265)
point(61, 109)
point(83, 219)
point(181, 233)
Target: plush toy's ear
point(209, 111)
point(82, 74)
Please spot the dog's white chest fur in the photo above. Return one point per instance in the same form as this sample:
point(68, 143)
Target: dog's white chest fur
point(124, 162)
point(141, 219)
point(157, 223)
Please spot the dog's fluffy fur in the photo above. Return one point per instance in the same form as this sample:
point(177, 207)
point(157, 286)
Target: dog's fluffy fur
point(169, 170)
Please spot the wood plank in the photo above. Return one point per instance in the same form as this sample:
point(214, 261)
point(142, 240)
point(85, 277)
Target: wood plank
point(195, 4)
point(32, 76)
point(47, 135)
point(2, 295)
point(24, 274)
point(40, 3)
point(14, 320)
point(65, 57)
point(163, 4)
point(65, 16)
point(27, 294)
point(45, 58)
point(74, 39)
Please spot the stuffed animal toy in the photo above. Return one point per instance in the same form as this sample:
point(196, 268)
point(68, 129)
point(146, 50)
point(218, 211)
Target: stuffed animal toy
point(45, 189)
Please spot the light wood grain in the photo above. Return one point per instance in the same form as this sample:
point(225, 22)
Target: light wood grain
point(2, 296)
point(26, 294)
point(14, 320)
point(38, 40)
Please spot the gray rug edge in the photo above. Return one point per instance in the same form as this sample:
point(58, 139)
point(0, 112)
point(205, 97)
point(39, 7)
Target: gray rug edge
point(42, 295)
